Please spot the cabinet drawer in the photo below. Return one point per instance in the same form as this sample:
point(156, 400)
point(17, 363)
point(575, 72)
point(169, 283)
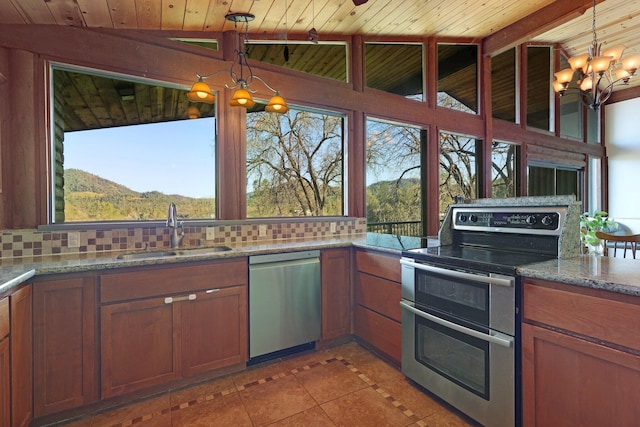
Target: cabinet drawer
point(4, 317)
point(381, 265)
point(379, 331)
point(609, 320)
point(378, 294)
point(166, 280)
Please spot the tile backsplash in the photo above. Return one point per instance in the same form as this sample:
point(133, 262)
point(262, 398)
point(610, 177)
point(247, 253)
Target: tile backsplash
point(27, 243)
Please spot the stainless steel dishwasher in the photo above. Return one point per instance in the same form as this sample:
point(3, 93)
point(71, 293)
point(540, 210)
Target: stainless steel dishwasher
point(284, 301)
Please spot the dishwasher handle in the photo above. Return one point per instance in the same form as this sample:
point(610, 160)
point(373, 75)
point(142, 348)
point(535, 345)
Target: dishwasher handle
point(283, 257)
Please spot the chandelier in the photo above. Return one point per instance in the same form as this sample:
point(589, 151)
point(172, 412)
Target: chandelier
point(600, 71)
point(241, 76)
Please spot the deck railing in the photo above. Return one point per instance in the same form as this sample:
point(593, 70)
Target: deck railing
point(399, 228)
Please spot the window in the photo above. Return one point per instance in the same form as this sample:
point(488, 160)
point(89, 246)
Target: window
point(124, 149)
point(595, 184)
point(504, 169)
point(211, 44)
point(570, 107)
point(503, 86)
point(458, 77)
point(551, 181)
point(539, 87)
point(324, 59)
point(395, 68)
point(394, 184)
point(294, 164)
point(458, 168)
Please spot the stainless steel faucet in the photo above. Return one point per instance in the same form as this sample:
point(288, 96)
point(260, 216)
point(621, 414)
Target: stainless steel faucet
point(172, 222)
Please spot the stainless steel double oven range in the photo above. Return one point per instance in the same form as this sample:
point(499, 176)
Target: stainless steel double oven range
point(460, 326)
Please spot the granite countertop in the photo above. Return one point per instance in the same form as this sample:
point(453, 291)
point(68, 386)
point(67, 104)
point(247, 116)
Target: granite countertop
point(621, 275)
point(14, 271)
point(607, 273)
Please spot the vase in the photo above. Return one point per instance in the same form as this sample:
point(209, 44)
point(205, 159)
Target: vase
point(596, 249)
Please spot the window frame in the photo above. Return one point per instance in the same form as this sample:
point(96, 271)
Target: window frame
point(51, 176)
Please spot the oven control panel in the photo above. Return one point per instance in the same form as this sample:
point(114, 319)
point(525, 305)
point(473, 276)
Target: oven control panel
point(508, 219)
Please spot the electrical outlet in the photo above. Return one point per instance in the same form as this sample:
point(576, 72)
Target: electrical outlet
point(211, 233)
point(73, 239)
point(332, 227)
point(262, 230)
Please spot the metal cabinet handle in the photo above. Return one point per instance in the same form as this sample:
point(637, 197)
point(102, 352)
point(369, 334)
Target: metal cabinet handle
point(492, 279)
point(170, 300)
point(210, 291)
point(489, 338)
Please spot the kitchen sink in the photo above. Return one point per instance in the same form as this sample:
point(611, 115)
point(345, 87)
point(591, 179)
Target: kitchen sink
point(173, 252)
point(202, 250)
point(147, 254)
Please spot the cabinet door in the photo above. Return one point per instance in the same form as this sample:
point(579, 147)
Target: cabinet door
point(64, 363)
point(5, 383)
point(214, 330)
point(335, 267)
point(568, 381)
point(5, 366)
point(139, 345)
point(21, 358)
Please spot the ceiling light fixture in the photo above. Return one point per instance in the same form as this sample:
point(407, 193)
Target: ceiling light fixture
point(600, 71)
point(241, 76)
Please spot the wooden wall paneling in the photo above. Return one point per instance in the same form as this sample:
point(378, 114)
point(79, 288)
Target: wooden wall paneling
point(432, 203)
point(556, 157)
point(4, 137)
point(23, 134)
point(231, 157)
point(355, 153)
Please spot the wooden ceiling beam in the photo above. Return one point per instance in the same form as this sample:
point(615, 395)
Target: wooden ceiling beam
point(550, 16)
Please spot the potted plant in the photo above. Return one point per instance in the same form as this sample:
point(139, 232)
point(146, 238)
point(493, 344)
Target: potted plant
point(589, 224)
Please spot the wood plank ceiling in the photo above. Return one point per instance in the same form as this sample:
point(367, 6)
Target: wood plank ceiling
point(564, 21)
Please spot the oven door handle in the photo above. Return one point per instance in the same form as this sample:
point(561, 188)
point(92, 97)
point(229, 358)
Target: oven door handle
point(492, 279)
point(504, 342)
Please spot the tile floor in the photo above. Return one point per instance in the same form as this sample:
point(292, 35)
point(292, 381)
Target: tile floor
point(341, 386)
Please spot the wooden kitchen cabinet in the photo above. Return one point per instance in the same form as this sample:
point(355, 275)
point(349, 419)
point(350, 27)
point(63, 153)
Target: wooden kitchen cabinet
point(377, 293)
point(138, 345)
point(214, 330)
point(165, 323)
point(21, 357)
point(580, 356)
point(5, 364)
point(335, 265)
point(16, 351)
point(64, 343)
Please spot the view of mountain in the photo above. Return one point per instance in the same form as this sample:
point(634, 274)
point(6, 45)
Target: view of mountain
point(89, 197)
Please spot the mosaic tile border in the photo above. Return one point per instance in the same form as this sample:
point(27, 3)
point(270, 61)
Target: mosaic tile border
point(206, 398)
point(29, 243)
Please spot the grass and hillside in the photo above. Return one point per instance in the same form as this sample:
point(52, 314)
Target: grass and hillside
point(89, 197)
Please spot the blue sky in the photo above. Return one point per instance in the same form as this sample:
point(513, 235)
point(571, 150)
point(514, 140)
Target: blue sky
point(171, 157)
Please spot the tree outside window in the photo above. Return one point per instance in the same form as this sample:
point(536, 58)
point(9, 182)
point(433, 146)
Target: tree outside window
point(294, 164)
point(394, 196)
point(503, 169)
point(458, 168)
